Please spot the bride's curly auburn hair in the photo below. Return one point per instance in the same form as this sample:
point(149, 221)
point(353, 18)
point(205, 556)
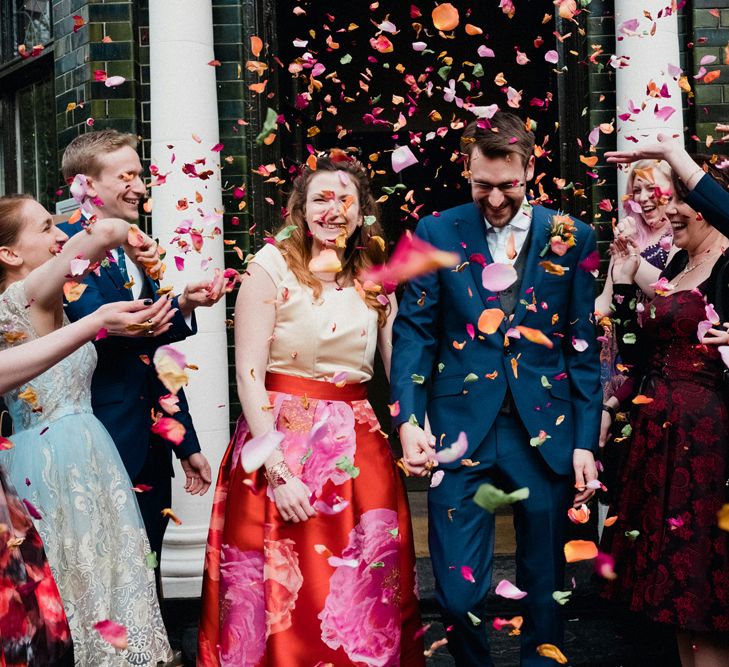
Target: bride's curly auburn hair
point(362, 250)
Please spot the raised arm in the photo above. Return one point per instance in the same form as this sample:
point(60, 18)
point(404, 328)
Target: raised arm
point(21, 364)
point(44, 285)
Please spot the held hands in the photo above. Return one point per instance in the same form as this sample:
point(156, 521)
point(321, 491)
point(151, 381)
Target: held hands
point(585, 471)
point(135, 318)
point(417, 448)
point(204, 293)
point(197, 474)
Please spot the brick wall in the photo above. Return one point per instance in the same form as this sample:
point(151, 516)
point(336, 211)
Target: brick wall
point(79, 54)
point(710, 35)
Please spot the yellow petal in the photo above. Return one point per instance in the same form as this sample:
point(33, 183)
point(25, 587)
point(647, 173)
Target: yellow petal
point(551, 651)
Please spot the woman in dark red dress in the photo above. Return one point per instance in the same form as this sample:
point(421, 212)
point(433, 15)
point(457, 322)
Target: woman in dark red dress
point(671, 556)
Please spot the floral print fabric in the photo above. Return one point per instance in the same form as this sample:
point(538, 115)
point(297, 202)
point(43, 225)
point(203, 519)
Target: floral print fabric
point(671, 558)
point(337, 589)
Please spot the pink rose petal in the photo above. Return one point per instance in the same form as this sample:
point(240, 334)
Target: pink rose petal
point(703, 328)
point(169, 429)
point(594, 136)
point(113, 633)
point(454, 451)
point(257, 450)
point(114, 81)
point(507, 590)
point(467, 574)
point(579, 344)
point(711, 314)
point(498, 277)
point(724, 352)
point(551, 56)
point(402, 157)
point(486, 52)
point(591, 262)
point(438, 475)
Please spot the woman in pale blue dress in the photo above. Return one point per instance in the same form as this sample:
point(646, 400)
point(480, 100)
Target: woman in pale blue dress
point(63, 461)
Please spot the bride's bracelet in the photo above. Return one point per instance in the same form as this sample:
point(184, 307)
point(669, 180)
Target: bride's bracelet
point(278, 474)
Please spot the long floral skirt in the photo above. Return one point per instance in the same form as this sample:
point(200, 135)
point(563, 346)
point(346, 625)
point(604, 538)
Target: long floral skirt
point(338, 589)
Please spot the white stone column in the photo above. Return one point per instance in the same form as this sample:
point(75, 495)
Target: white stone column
point(649, 57)
point(184, 115)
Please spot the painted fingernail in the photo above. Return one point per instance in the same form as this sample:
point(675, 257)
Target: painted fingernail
point(148, 302)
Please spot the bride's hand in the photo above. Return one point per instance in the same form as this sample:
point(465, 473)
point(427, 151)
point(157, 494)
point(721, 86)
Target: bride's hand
point(292, 500)
point(135, 318)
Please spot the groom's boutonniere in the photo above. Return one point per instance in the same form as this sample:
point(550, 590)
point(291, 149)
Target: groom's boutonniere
point(561, 235)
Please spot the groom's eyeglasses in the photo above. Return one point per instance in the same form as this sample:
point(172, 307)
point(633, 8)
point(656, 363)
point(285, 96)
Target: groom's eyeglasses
point(488, 188)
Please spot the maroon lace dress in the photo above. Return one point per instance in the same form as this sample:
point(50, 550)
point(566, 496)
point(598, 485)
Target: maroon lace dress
point(671, 558)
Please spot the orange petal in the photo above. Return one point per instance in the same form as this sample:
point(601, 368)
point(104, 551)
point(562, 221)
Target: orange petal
point(711, 76)
point(535, 336)
point(256, 46)
point(445, 17)
point(490, 320)
point(473, 29)
point(576, 550)
point(642, 400)
point(167, 512)
point(551, 651)
point(610, 520)
point(73, 290)
point(589, 161)
point(723, 515)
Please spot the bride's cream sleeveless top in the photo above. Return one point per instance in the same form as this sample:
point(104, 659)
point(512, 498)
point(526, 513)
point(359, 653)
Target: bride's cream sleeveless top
point(317, 338)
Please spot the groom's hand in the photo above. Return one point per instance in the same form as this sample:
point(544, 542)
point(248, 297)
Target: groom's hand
point(585, 471)
point(417, 449)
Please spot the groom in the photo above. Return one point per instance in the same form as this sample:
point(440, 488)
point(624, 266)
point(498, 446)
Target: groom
point(125, 390)
point(517, 370)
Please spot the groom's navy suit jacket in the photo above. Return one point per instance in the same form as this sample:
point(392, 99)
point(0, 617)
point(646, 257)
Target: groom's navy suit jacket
point(125, 386)
point(556, 391)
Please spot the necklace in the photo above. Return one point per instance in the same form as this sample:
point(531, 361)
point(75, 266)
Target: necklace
point(691, 267)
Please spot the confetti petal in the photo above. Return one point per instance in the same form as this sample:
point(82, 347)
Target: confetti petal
point(454, 451)
point(507, 590)
point(257, 450)
point(491, 498)
point(535, 336)
point(445, 17)
point(170, 365)
point(402, 157)
point(169, 429)
point(113, 634)
point(551, 651)
point(327, 261)
point(497, 277)
point(490, 320)
point(412, 257)
point(576, 550)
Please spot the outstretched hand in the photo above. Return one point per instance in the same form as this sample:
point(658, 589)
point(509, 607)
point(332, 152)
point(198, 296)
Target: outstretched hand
point(136, 318)
point(659, 150)
point(205, 293)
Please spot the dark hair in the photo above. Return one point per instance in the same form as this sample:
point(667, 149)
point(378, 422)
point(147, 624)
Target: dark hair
point(82, 154)
point(708, 163)
point(363, 250)
point(11, 222)
point(500, 136)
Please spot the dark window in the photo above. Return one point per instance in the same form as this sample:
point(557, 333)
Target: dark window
point(26, 22)
point(28, 153)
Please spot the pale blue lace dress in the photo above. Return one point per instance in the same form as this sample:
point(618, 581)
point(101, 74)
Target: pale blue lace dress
point(66, 464)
